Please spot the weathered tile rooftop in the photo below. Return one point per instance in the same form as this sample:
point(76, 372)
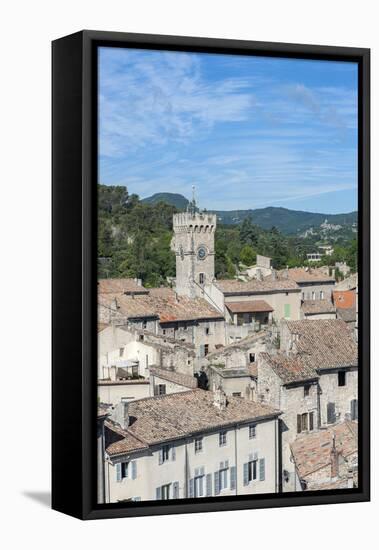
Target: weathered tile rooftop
point(251, 306)
point(105, 286)
point(324, 343)
point(173, 416)
point(347, 315)
point(305, 275)
point(314, 307)
point(233, 286)
point(344, 299)
point(311, 451)
point(290, 369)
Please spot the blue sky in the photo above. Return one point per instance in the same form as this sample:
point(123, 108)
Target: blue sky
point(248, 132)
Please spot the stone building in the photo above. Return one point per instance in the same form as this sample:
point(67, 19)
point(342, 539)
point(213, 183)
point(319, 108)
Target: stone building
point(318, 309)
point(327, 459)
point(208, 445)
point(329, 348)
point(315, 282)
point(290, 385)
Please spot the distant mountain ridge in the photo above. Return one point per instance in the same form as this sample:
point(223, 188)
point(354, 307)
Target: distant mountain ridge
point(287, 221)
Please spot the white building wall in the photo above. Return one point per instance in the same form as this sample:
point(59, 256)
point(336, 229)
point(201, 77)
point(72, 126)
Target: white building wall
point(340, 395)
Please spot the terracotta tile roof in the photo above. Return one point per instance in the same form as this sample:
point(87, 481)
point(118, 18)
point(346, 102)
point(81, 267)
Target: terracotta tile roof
point(305, 275)
point(344, 299)
point(233, 286)
point(119, 441)
point(166, 306)
point(104, 286)
point(175, 377)
point(128, 306)
point(314, 307)
point(324, 343)
point(347, 315)
point(251, 306)
point(174, 416)
point(312, 451)
point(290, 369)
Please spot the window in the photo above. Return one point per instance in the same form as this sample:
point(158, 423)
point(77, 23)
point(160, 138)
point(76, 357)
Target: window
point(236, 394)
point(206, 349)
point(305, 422)
point(165, 453)
point(201, 278)
point(252, 357)
point(222, 439)
point(313, 295)
point(321, 294)
point(121, 352)
point(287, 311)
point(252, 470)
point(144, 324)
point(164, 331)
point(306, 390)
point(252, 431)
point(207, 331)
point(342, 378)
point(199, 484)
point(141, 337)
point(166, 491)
point(223, 479)
point(331, 413)
point(124, 469)
point(354, 409)
point(198, 444)
point(135, 371)
point(160, 389)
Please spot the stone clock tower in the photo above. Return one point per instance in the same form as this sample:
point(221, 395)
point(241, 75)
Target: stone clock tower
point(193, 243)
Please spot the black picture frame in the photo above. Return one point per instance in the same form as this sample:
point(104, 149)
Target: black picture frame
point(74, 172)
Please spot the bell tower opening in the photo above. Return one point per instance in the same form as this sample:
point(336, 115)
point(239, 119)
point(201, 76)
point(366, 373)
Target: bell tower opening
point(194, 232)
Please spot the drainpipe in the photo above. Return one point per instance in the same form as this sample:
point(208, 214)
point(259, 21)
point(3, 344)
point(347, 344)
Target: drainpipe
point(185, 470)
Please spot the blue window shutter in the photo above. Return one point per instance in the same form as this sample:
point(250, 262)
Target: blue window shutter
point(246, 474)
point(233, 478)
point(175, 489)
point(262, 469)
point(217, 483)
point(160, 456)
point(118, 471)
point(191, 488)
point(158, 493)
point(173, 453)
point(209, 485)
point(134, 469)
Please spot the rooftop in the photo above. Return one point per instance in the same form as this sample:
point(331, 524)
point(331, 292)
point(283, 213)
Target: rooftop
point(344, 299)
point(350, 283)
point(289, 369)
point(163, 304)
point(233, 286)
point(129, 286)
point(173, 416)
point(251, 306)
point(347, 315)
point(311, 451)
point(175, 377)
point(324, 343)
point(314, 307)
point(306, 275)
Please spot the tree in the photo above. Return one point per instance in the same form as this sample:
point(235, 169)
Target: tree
point(248, 256)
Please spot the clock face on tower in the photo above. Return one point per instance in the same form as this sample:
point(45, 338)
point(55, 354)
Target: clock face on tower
point(202, 252)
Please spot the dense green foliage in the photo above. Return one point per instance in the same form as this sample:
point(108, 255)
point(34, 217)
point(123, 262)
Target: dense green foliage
point(134, 241)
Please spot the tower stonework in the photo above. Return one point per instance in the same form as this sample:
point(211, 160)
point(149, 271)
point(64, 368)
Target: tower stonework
point(194, 235)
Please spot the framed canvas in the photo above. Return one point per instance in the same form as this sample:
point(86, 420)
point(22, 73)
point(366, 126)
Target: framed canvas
point(210, 275)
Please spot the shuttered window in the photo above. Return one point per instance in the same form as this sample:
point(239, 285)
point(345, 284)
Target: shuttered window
point(233, 478)
point(354, 409)
point(209, 485)
point(311, 421)
point(331, 413)
point(287, 311)
point(262, 471)
point(175, 489)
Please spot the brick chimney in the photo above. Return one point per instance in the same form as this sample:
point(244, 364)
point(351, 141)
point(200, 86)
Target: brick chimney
point(334, 467)
point(219, 399)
